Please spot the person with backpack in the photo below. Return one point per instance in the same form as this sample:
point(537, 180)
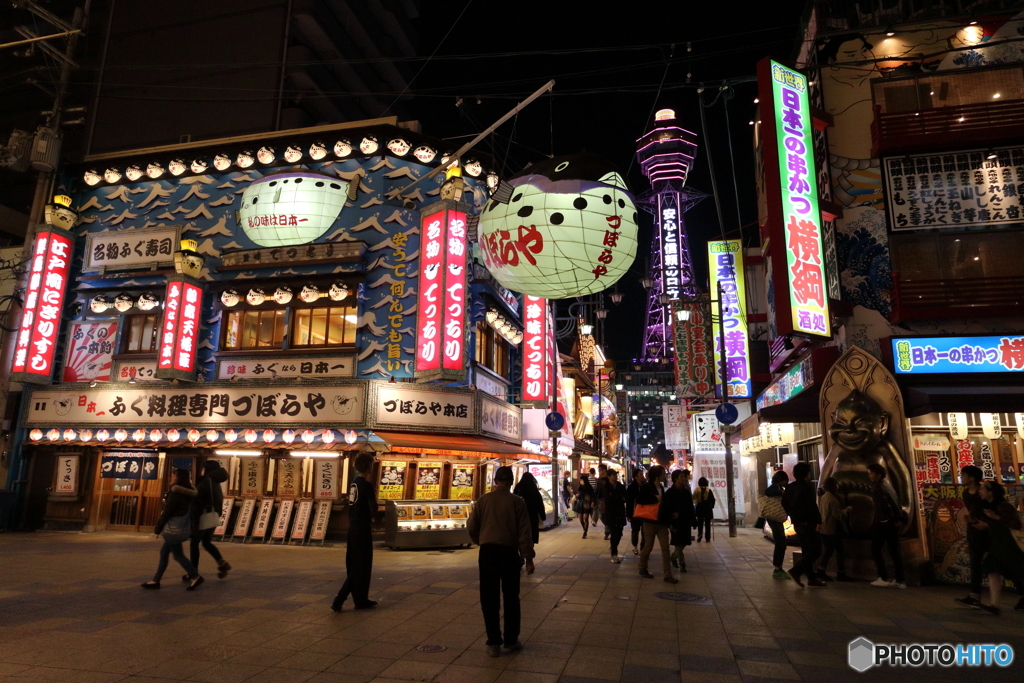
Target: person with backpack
point(206, 511)
point(1005, 558)
point(528, 490)
point(800, 503)
point(175, 525)
point(885, 528)
point(770, 507)
point(704, 507)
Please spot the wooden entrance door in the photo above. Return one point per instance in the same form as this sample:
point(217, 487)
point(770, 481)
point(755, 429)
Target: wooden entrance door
point(135, 504)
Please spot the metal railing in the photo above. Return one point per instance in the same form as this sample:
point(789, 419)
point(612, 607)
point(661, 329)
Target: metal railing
point(981, 297)
point(991, 123)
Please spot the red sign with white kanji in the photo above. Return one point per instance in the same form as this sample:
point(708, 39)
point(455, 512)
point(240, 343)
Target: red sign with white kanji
point(442, 299)
point(536, 378)
point(179, 329)
point(44, 303)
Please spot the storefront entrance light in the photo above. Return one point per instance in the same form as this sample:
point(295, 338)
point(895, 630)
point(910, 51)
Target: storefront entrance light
point(327, 436)
point(239, 453)
point(173, 435)
point(194, 435)
point(119, 436)
point(492, 315)
point(212, 435)
point(230, 435)
point(991, 425)
point(250, 436)
point(139, 435)
point(307, 436)
point(269, 435)
point(155, 435)
point(288, 435)
point(54, 434)
point(85, 435)
point(70, 434)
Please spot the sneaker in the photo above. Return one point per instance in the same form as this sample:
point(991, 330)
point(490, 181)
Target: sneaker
point(991, 609)
point(646, 574)
point(845, 578)
point(494, 650)
point(671, 579)
point(882, 583)
point(615, 559)
point(515, 647)
point(899, 584)
point(780, 574)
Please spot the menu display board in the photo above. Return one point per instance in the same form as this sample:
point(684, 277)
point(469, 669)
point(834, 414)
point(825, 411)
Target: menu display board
point(225, 516)
point(428, 481)
point(252, 477)
point(320, 520)
point(259, 530)
point(301, 520)
point(244, 517)
point(287, 478)
point(462, 482)
point(284, 515)
point(392, 480)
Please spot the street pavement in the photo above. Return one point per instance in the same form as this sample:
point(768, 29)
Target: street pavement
point(71, 610)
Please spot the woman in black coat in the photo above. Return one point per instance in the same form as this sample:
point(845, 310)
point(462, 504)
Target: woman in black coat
point(175, 525)
point(528, 491)
point(679, 500)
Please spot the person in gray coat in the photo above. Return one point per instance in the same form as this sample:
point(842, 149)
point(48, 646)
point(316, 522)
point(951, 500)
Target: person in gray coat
point(176, 517)
point(209, 495)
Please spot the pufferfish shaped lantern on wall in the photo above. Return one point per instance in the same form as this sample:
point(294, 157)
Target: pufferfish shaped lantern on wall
point(290, 207)
point(569, 230)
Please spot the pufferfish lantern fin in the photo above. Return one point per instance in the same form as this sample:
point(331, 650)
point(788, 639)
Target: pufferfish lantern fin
point(353, 187)
point(613, 178)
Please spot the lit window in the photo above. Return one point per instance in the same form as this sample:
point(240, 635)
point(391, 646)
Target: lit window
point(140, 334)
point(254, 329)
point(328, 326)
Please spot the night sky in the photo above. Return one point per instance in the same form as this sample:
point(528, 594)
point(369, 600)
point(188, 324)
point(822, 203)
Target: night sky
point(608, 64)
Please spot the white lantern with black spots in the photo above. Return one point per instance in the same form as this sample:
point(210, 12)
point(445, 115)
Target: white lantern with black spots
point(369, 145)
point(199, 166)
point(99, 304)
point(147, 302)
point(309, 294)
point(425, 154)
point(283, 294)
point(222, 162)
point(92, 177)
point(337, 292)
point(112, 174)
point(492, 181)
point(155, 170)
point(177, 167)
point(133, 172)
point(569, 230)
point(245, 158)
point(342, 148)
point(256, 296)
point(292, 153)
point(230, 297)
point(474, 168)
point(399, 147)
point(317, 151)
point(123, 303)
point(266, 154)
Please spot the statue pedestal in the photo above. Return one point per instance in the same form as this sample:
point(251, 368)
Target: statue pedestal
point(918, 568)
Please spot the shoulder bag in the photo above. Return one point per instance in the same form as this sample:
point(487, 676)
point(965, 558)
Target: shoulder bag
point(210, 517)
point(177, 529)
point(770, 507)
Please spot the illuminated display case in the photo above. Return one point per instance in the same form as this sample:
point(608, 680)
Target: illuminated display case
point(426, 523)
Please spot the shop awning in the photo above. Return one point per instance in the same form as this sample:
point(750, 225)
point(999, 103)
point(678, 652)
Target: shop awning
point(415, 443)
point(793, 396)
point(967, 398)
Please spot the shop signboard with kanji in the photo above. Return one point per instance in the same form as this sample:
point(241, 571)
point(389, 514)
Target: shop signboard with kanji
point(795, 225)
point(67, 475)
point(179, 329)
point(288, 478)
point(125, 465)
point(135, 249)
point(930, 355)
point(211, 406)
point(672, 278)
point(695, 370)
point(964, 189)
point(325, 478)
point(285, 366)
point(399, 407)
point(44, 303)
point(252, 469)
point(462, 482)
point(501, 420)
point(536, 387)
point(725, 264)
point(441, 316)
point(89, 351)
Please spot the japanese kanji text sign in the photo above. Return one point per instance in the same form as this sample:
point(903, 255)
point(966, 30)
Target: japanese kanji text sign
point(725, 263)
point(929, 355)
point(441, 315)
point(801, 292)
point(179, 329)
point(325, 478)
point(672, 277)
point(67, 475)
point(124, 465)
point(536, 376)
point(44, 303)
point(89, 351)
point(695, 370)
point(134, 249)
point(400, 407)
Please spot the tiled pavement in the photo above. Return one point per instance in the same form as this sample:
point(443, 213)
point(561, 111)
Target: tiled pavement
point(71, 610)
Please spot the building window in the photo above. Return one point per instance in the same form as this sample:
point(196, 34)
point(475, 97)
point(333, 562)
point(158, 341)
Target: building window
point(492, 351)
point(140, 334)
point(254, 329)
point(332, 326)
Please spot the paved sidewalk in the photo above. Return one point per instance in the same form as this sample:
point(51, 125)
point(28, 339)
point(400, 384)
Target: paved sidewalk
point(71, 610)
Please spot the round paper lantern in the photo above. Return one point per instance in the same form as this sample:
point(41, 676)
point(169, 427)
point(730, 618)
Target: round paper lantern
point(307, 436)
point(102, 435)
point(250, 436)
point(425, 154)
point(177, 166)
point(123, 303)
point(569, 230)
point(351, 436)
point(245, 158)
point(193, 435)
point(269, 435)
point(92, 177)
point(147, 302)
point(53, 434)
point(199, 166)
point(369, 144)
point(309, 293)
point(222, 162)
point(291, 207)
point(266, 155)
point(337, 293)
point(133, 172)
point(120, 435)
point(70, 434)
point(288, 435)
point(139, 435)
point(292, 153)
point(343, 147)
point(173, 435)
point(399, 147)
point(112, 174)
point(283, 294)
point(85, 434)
point(230, 435)
point(256, 296)
point(155, 435)
point(155, 170)
point(230, 297)
point(327, 436)
point(317, 151)
point(36, 434)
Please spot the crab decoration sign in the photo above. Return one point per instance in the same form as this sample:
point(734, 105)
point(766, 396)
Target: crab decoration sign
point(569, 230)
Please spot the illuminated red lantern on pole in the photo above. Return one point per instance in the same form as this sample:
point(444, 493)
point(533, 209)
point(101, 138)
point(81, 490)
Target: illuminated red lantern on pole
point(536, 352)
point(179, 329)
point(442, 303)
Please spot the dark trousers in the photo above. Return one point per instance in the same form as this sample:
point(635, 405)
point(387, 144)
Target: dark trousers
point(175, 549)
point(833, 544)
point(779, 537)
point(204, 536)
point(810, 549)
point(888, 535)
point(499, 577)
point(704, 526)
point(614, 536)
point(636, 531)
point(359, 567)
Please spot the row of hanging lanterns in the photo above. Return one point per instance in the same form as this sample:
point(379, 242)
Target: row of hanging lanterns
point(770, 435)
point(504, 327)
point(123, 303)
point(284, 294)
point(193, 435)
point(343, 149)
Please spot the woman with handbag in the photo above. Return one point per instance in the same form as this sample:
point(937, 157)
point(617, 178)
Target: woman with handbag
point(679, 500)
point(657, 519)
point(206, 511)
point(584, 503)
point(1005, 558)
point(175, 525)
point(770, 507)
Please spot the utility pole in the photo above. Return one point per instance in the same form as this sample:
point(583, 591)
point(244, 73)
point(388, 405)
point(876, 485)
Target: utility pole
point(730, 486)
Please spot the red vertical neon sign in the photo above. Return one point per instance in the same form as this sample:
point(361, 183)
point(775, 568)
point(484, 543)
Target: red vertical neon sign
point(431, 295)
point(455, 291)
point(441, 314)
point(536, 376)
point(176, 355)
point(44, 303)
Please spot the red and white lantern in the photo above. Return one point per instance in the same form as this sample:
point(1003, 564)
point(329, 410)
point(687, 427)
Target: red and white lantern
point(102, 435)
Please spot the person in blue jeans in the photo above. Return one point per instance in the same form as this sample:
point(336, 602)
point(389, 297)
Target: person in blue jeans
point(780, 480)
point(176, 516)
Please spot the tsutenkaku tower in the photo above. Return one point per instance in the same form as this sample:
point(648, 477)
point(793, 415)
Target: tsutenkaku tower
point(666, 154)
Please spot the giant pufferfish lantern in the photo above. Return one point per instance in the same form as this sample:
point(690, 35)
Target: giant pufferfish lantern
point(569, 230)
point(287, 208)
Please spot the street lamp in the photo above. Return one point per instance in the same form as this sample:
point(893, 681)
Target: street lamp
point(647, 281)
point(601, 313)
point(586, 328)
point(616, 297)
point(683, 315)
point(664, 299)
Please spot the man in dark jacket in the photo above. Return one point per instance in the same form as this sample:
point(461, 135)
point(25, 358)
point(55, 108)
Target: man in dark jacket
point(614, 504)
point(885, 528)
point(209, 496)
point(362, 500)
point(704, 509)
point(679, 499)
point(635, 523)
point(602, 482)
point(801, 504)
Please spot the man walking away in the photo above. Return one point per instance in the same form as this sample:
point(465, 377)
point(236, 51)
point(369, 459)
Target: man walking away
point(679, 500)
point(801, 505)
point(602, 481)
point(362, 500)
point(636, 524)
point(500, 525)
point(566, 490)
point(885, 530)
point(776, 516)
point(652, 495)
point(704, 507)
point(614, 512)
point(209, 498)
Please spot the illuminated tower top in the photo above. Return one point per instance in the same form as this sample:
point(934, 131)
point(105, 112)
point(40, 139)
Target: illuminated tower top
point(666, 152)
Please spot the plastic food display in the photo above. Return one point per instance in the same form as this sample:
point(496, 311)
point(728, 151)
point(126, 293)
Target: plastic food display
point(426, 524)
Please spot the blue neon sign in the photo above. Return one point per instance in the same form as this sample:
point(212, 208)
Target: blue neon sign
point(929, 355)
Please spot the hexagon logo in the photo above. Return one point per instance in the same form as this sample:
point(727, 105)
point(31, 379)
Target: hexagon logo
point(862, 654)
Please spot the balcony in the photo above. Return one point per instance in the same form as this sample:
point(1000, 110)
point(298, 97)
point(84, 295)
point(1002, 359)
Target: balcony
point(847, 15)
point(980, 297)
point(969, 125)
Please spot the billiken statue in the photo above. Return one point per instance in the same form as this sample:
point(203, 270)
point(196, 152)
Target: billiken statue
point(858, 432)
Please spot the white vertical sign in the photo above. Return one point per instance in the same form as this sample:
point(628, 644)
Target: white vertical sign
point(259, 530)
point(325, 480)
point(677, 434)
point(244, 517)
point(225, 516)
point(284, 515)
point(320, 520)
point(301, 520)
point(67, 474)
